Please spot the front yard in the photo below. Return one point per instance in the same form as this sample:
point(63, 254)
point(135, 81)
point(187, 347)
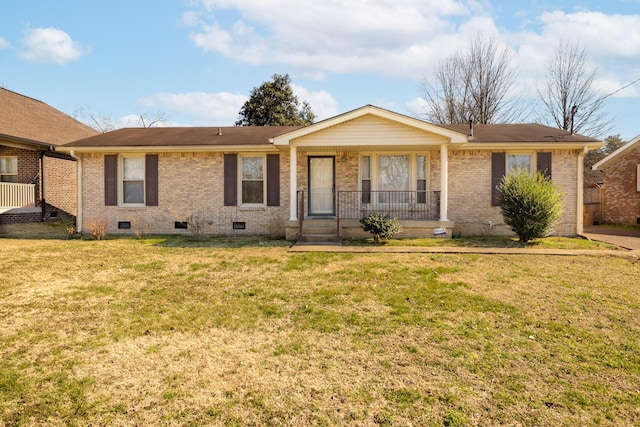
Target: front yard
point(158, 332)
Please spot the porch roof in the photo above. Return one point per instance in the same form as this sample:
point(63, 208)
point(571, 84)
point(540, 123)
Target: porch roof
point(372, 128)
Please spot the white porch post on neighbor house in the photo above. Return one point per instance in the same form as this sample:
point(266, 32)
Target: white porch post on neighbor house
point(444, 182)
point(293, 183)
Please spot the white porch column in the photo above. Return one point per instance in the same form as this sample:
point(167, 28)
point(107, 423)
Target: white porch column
point(444, 182)
point(293, 183)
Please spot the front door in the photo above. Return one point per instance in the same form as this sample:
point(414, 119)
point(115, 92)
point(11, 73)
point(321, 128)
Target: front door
point(322, 185)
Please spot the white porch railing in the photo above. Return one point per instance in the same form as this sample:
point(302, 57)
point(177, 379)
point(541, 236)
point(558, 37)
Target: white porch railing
point(17, 195)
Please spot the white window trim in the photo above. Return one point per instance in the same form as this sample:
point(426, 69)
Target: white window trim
point(121, 202)
point(10, 174)
point(264, 181)
point(638, 178)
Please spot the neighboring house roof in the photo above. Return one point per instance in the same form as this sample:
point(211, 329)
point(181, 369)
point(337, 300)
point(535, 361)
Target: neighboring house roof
point(28, 121)
point(635, 142)
point(183, 137)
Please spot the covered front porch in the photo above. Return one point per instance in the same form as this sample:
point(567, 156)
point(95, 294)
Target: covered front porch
point(418, 212)
point(369, 160)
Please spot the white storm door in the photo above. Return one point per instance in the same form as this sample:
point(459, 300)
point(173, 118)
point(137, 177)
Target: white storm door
point(321, 185)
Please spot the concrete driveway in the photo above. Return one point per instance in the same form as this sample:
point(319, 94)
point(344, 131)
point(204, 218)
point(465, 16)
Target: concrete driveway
point(629, 239)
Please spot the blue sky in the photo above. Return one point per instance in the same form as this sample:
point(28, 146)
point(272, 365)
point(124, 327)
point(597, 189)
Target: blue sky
point(194, 62)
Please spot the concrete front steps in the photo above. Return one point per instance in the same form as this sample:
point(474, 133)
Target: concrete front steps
point(319, 231)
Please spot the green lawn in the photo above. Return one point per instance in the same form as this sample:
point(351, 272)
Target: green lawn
point(164, 331)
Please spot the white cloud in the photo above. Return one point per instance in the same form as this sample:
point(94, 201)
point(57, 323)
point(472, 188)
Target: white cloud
point(322, 103)
point(220, 109)
point(611, 42)
point(197, 108)
point(50, 45)
point(3, 43)
point(406, 38)
point(337, 36)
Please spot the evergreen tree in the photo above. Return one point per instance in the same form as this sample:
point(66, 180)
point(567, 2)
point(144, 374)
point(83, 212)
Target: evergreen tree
point(274, 104)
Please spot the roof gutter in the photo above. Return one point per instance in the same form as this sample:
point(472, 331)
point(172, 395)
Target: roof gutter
point(170, 149)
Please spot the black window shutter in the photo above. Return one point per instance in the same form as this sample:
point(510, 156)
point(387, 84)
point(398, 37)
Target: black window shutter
point(110, 180)
point(273, 180)
point(543, 164)
point(151, 179)
point(230, 179)
point(498, 169)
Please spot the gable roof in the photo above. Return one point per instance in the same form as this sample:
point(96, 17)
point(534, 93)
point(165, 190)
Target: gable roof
point(617, 154)
point(181, 138)
point(453, 136)
point(27, 121)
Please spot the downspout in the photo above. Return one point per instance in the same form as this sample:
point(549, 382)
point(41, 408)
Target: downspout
point(43, 202)
point(580, 192)
point(78, 160)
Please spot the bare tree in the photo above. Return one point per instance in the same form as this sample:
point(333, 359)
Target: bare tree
point(569, 97)
point(474, 85)
point(104, 123)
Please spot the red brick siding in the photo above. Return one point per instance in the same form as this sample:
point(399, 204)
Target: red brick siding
point(621, 197)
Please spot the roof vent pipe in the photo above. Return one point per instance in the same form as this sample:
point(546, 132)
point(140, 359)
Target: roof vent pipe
point(219, 131)
point(470, 129)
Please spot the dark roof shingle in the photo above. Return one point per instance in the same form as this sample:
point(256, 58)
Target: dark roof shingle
point(184, 136)
point(28, 119)
point(529, 132)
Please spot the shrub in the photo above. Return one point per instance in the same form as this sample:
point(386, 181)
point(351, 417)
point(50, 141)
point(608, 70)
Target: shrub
point(531, 204)
point(97, 228)
point(382, 226)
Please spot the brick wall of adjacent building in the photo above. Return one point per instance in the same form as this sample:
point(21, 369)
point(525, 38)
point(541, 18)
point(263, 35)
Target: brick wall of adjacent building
point(60, 187)
point(621, 196)
point(188, 184)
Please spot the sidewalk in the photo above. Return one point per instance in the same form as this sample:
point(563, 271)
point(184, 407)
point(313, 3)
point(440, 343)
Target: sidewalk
point(337, 248)
point(627, 239)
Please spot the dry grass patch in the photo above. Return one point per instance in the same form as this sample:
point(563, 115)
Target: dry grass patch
point(144, 332)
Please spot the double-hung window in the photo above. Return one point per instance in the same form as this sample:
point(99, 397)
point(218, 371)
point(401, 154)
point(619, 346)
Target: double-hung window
point(8, 169)
point(252, 188)
point(133, 180)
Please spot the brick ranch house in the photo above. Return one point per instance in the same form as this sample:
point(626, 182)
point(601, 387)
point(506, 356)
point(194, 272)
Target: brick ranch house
point(318, 181)
point(36, 182)
point(621, 184)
